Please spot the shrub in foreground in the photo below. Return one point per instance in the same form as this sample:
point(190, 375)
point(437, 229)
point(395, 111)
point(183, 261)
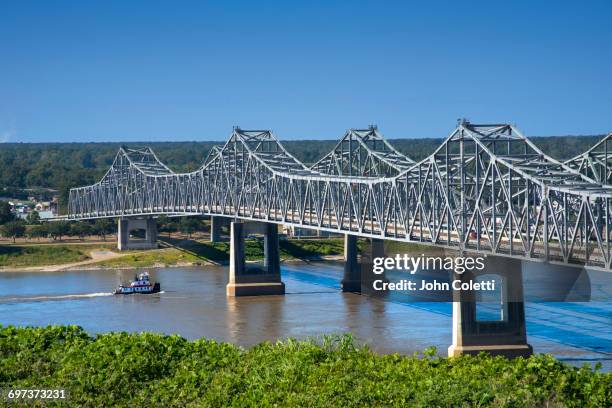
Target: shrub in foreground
point(122, 369)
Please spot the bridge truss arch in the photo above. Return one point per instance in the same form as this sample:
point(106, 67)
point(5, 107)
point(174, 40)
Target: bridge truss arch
point(596, 162)
point(363, 152)
point(486, 188)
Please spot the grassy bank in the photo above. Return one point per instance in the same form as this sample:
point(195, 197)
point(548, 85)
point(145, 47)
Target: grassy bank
point(23, 256)
point(195, 252)
point(176, 252)
point(153, 370)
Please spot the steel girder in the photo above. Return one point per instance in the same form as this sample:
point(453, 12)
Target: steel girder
point(363, 152)
point(596, 162)
point(214, 151)
point(144, 159)
point(486, 188)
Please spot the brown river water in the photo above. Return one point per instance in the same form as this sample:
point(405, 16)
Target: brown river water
point(193, 304)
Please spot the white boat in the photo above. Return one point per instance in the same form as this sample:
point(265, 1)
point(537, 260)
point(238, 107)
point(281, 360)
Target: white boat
point(141, 284)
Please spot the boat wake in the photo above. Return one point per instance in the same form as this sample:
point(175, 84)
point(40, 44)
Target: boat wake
point(57, 297)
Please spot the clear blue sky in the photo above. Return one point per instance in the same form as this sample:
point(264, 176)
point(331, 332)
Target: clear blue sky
point(127, 70)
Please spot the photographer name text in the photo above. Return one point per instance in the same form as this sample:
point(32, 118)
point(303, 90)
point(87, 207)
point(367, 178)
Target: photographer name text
point(409, 285)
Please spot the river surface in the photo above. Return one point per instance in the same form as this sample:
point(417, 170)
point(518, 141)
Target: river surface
point(193, 304)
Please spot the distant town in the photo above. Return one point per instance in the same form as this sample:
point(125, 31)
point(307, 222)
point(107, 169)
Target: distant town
point(33, 207)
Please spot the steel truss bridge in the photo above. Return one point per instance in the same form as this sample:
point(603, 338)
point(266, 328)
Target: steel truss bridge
point(486, 188)
point(596, 162)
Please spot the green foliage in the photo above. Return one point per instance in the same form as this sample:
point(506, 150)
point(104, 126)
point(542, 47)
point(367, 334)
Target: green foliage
point(297, 248)
point(148, 369)
point(33, 218)
point(80, 229)
point(5, 212)
point(189, 225)
point(309, 248)
point(102, 227)
point(13, 229)
point(38, 231)
point(166, 224)
point(58, 229)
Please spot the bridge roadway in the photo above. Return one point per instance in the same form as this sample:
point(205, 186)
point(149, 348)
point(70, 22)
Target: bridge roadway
point(486, 189)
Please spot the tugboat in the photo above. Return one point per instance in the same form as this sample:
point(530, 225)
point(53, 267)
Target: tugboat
point(141, 284)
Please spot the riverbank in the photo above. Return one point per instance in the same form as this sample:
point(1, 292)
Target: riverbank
point(35, 257)
point(155, 370)
point(173, 252)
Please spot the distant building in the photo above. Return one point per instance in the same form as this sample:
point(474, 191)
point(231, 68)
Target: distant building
point(20, 210)
point(42, 206)
point(47, 206)
point(45, 215)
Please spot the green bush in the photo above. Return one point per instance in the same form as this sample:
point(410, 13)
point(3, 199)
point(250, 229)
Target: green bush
point(121, 369)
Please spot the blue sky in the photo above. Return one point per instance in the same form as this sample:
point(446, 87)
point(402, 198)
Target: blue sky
point(152, 71)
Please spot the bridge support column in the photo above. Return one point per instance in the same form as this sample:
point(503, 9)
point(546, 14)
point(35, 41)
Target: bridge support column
point(505, 336)
point(256, 281)
point(359, 276)
point(123, 235)
point(126, 225)
point(215, 228)
point(351, 281)
point(271, 250)
point(375, 250)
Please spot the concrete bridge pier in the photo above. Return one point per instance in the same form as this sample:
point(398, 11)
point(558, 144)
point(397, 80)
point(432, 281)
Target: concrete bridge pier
point(254, 281)
point(376, 250)
point(501, 333)
point(216, 223)
point(359, 276)
point(351, 281)
point(127, 225)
